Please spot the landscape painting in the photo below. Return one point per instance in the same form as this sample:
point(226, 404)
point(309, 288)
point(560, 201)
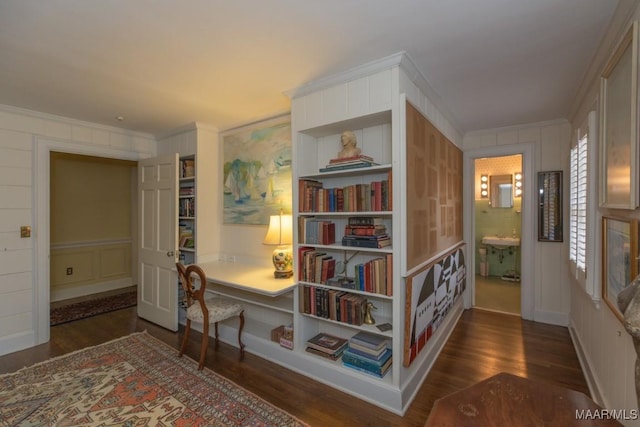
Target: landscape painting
point(431, 292)
point(257, 171)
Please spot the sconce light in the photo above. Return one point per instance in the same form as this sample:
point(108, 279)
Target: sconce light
point(280, 233)
point(518, 184)
point(484, 186)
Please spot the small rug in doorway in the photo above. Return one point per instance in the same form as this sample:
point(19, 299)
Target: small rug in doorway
point(93, 307)
point(136, 380)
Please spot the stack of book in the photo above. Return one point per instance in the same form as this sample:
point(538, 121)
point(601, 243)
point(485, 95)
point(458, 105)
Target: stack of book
point(360, 161)
point(326, 345)
point(368, 353)
point(366, 232)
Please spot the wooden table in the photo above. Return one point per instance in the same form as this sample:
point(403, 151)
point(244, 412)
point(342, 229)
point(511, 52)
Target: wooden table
point(509, 400)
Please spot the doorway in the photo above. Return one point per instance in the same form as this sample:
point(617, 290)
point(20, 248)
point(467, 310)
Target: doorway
point(526, 252)
point(498, 231)
point(42, 215)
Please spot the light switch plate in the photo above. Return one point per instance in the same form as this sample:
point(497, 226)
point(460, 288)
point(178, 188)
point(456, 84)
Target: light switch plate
point(25, 231)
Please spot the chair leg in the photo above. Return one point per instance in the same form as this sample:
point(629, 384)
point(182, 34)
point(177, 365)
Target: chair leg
point(205, 344)
point(217, 336)
point(185, 338)
point(240, 335)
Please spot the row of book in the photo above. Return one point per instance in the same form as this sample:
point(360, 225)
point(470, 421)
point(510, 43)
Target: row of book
point(364, 352)
point(185, 235)
point(187, 168)
point(333, 304)
point(316, 231)
point(315, 266)
point(366, 232)
point(375, 276)
point(187, 207)
point(374, 196)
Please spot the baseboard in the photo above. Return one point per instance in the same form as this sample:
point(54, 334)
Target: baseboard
point(592, 383)
point(94, 288)
point(17, 342)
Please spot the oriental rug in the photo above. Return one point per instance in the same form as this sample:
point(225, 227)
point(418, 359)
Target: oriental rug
point(92, 307)
point(136, 381)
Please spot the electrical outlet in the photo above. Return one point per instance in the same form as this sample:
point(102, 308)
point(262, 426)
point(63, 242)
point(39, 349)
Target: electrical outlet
point(69, 271)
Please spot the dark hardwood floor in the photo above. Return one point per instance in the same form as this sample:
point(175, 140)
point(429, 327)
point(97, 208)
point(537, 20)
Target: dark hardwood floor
point(483, 344)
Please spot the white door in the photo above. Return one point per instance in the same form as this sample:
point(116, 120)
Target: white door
point(157, 252)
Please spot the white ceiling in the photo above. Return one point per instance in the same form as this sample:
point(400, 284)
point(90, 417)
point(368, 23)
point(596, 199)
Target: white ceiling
point(164, 63)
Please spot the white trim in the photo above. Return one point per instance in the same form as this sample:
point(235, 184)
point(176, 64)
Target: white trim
point(42, 148)
point(91, 243)
point(71, 121)
point(94, 288)
point(594, 387)
point(527, 238)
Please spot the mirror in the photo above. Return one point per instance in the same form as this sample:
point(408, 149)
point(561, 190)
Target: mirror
point(550, 206)
point(501, 191)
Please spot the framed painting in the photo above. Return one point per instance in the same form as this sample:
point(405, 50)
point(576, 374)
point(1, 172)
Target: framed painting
point(257, 171)
point(430, 294)
point(618, 126)
point(619, 258)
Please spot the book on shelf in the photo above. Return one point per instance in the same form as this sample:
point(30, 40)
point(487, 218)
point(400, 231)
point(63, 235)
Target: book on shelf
point(365, 230)
point(312, 230)
point(335, 356)
point(341, 306)
point(361, 242)
point(327, 343)
point(351, 159)
point(187, 168)
point(365, 220)
point(371, 196)
point(350, 361)
point(365, 360)
point(370, 354)
point(346, 166)
point(369, 340)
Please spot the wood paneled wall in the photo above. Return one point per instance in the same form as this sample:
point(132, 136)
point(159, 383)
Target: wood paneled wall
point(434, 190)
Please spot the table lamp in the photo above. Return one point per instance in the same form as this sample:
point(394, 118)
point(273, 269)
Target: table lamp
point(280, 234)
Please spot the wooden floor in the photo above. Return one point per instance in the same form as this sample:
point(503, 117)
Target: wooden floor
point(483, 344)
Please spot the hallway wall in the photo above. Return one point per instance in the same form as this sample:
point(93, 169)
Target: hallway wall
point(23, 290)
point(551, 141)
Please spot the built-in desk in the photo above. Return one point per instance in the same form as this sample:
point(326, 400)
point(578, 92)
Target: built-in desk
point(246, 277)
point(267, 301)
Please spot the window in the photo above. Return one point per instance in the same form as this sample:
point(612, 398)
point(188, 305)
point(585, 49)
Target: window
point(583, 225)
point(578, 203)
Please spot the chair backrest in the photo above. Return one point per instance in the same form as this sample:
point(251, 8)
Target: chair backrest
point(191, 293)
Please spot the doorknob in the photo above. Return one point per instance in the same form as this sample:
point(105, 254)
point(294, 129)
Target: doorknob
point(171, 253)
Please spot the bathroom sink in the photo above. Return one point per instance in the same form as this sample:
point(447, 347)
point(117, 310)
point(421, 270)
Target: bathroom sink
point(501, 242)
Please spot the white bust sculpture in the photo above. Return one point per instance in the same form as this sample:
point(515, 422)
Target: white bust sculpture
point(349, 142)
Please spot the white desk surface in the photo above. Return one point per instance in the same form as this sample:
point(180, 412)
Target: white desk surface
point(247, 277)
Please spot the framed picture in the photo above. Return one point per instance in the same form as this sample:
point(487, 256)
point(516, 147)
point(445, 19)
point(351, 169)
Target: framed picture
point(550, 206)
point(618, 126)
point(257, 171)
point(619, 258)
point(430, 294)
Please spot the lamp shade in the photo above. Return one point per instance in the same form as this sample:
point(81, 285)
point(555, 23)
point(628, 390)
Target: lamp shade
point(280, 230)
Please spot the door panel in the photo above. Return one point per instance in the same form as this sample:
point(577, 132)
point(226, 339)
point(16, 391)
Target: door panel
point(158, 213)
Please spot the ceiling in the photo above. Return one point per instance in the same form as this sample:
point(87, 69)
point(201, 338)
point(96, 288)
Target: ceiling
point(161, 64)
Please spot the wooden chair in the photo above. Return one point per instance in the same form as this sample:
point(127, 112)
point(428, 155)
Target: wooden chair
point(207, 311)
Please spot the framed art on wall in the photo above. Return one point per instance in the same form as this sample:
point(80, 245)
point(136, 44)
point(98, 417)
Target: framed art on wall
point(430, 294)
point(618, 126)
point(619, 258)
point(257, 171)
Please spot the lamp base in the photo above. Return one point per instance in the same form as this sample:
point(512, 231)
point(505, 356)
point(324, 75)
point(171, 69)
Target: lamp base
point(282, 274)
point(283, 262)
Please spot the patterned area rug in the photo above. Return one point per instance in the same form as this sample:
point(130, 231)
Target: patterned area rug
point(84, 309)
point(136, 381)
